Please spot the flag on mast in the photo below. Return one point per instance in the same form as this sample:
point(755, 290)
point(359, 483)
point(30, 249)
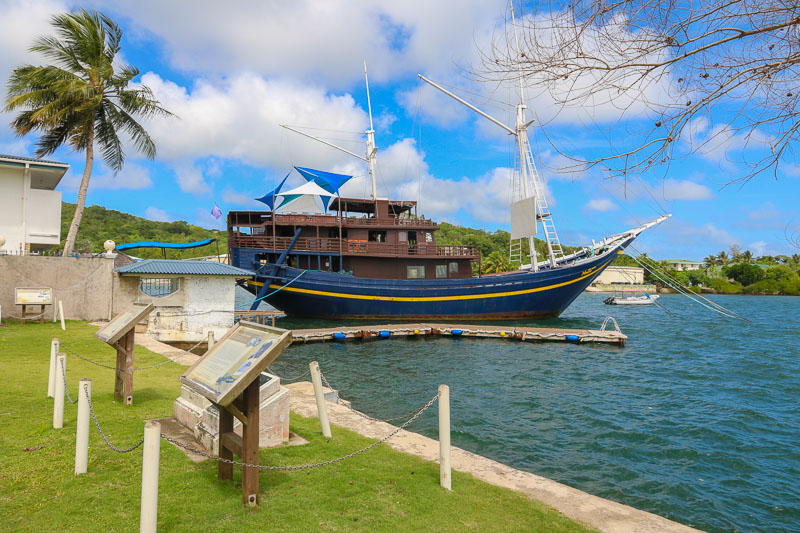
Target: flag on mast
point(216, 212)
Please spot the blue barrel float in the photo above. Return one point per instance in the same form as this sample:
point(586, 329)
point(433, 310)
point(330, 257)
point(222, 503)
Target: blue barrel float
point(455, 331)
point(572, 338)
point(385, 334)
point(338, 336)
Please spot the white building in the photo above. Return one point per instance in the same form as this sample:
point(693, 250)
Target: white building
point(621, 274)
point(683, 264)
point(30, 208)
point(190, 298)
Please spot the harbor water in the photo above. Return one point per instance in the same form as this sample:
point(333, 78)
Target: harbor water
point(695, 419)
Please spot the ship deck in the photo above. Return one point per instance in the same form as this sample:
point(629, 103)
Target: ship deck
point(455, 330)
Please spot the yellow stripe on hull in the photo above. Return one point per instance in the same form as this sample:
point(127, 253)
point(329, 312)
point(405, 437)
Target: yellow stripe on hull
point(585, 274)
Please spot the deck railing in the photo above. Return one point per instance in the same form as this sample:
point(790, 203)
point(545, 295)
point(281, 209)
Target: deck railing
point(332, 220)
point(350, 246)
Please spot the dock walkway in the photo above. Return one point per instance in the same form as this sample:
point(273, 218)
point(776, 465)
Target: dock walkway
point(422, 329)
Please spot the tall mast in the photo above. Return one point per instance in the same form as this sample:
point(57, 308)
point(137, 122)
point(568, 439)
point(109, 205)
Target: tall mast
point(522, 143)
point(372, 150)
point(371, 156)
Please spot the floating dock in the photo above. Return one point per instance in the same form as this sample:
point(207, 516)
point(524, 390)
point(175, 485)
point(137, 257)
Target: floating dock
point(453, 330)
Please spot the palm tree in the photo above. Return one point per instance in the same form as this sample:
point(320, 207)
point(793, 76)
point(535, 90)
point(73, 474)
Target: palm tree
point(80, 99)
point(496, 262)
point(722, 257)
point(746, 256)
point(711, 260)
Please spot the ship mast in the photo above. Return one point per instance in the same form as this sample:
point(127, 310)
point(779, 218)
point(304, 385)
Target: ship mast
point(532, 186)
point(371, 156)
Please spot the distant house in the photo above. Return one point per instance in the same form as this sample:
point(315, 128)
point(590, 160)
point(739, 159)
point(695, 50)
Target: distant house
point(30, 208)
point(683, 264)
point(191, 298)
point(621, 275)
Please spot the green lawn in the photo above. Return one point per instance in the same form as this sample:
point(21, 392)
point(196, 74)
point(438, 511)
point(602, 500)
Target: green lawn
point(380, 490)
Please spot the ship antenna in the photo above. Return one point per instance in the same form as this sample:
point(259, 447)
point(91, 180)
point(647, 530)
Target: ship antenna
point(372, 150)
point(519, 63)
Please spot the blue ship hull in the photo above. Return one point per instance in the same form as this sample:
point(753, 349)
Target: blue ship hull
point(546, 293)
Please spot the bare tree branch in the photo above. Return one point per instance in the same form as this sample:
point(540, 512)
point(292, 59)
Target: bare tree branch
point(685, 77)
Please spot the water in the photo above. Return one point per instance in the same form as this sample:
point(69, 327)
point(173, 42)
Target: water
point(695, 419)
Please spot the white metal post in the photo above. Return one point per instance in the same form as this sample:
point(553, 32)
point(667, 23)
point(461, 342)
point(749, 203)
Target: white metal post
point(55, 309)
point(61, 314)
point(211, 340)
point(150, 458)
point(322, 409)
point(445, 479)
point(82, 430)
point(51, 380)
point(58, 397)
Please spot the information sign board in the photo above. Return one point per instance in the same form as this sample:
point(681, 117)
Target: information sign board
point(31, 296)
point(245, 351)
point(123, 323)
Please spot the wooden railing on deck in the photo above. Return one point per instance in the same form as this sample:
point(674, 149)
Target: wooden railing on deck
point(350, 247)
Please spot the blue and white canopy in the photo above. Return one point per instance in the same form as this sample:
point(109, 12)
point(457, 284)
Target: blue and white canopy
point(270, 197)
point(327, 180)
point(303, 199)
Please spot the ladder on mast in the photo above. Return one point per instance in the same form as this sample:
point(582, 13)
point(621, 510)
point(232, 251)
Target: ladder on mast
point(543, 214)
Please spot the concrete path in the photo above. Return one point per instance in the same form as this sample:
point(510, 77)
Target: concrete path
point(170, 352)
point(591, 510)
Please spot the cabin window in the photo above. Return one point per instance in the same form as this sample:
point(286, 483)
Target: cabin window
point(159, 287)
point(441, 271)
point(416, 272)
point(402, 236)
point(428, 236)
point(377, 236)
point(453, 268)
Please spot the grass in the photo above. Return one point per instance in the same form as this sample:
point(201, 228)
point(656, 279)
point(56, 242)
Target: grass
point(380, 490)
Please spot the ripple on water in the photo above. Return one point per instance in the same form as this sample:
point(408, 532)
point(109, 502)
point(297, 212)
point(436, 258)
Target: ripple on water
point(696, 419)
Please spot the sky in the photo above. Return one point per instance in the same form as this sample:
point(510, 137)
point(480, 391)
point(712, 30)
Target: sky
point(233, 72)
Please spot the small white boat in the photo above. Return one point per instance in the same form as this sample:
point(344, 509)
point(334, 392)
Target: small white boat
point(645, 299)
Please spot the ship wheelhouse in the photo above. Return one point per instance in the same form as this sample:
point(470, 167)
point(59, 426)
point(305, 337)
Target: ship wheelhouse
point(379, 239)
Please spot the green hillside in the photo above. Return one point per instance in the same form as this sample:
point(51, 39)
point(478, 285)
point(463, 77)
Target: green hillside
point(100, 224)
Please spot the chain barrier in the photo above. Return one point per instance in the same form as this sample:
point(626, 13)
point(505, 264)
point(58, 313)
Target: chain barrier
point(27, 317)
point(99, 430)
point(306, 466)
point(364, 415)
point(66, 388)
point(79, 356)
point(304, 374)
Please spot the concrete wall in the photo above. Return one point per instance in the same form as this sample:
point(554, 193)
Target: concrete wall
point(85, 285)
point(188, 314)
point(621, 274)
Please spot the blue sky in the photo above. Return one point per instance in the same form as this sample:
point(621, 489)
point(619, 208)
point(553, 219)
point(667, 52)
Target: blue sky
point(233, 72)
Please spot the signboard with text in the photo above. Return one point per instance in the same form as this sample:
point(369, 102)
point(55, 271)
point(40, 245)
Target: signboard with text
point(30, 296)
point(123, 323)
point(245, 351)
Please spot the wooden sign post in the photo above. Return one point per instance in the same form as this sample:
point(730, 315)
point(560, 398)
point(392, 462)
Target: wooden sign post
point(33, 297)
point(227, 375)
point(120, 333)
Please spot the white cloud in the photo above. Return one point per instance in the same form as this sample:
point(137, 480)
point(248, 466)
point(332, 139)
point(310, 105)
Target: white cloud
point(239, 119)
point(314, 40)
point(684, 190)
point(190, 179)
point(232, 197)
point(601, 204)
point(159, 215)
point(131, 177)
